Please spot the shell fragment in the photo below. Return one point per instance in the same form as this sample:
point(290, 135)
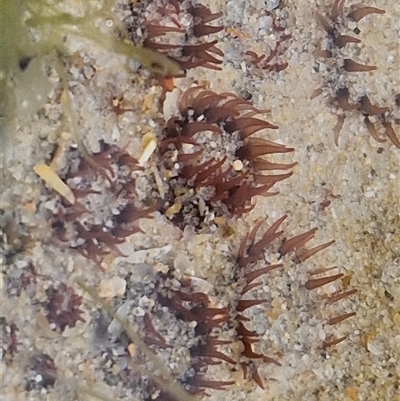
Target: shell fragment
point(52, 180)
point(150, 145)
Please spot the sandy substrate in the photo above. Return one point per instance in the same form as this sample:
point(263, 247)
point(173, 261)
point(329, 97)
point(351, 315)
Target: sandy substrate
point(350, 192)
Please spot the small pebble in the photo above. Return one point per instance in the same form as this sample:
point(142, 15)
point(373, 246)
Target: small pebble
point(112, 287)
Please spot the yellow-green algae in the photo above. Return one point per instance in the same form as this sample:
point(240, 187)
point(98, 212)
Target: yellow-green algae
point(33, 33)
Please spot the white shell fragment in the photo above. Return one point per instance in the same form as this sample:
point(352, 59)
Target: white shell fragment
point(52, 180)
point(150, 145)
point(170, 106)
point(112, 287)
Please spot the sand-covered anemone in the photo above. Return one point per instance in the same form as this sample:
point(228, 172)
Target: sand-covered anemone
point(178, 29)
point(105, 208)
point(387, 117)
point(262, 257)
point(213, 162)
point(63, 307)
point(338, 65)
point(43, 372)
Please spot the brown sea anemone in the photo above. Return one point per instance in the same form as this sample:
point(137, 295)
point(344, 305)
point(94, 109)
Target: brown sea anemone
point(63, 306)
point(196, 310)
point(213, 164)
point(177, 29)
point(338, 66)
point(43, 372)
point(189, 312)
point(386, 116)
point(92, 226)
point(250, 274)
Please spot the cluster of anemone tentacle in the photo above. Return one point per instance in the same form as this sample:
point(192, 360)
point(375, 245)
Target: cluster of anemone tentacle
point(177, 29)
point(91, 226)
point(63, 306)
point(272, 57)
point(213, 163)
point(333, 24)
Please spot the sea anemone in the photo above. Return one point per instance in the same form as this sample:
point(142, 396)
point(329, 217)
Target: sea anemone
point(213, 164)
point(191, 306)
point(89, 225)
point(176, 29)
point(43, 372)
point(189, 312)
point(63, 306)
point(332, 24)
point(248, 272)
point(387, 116)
